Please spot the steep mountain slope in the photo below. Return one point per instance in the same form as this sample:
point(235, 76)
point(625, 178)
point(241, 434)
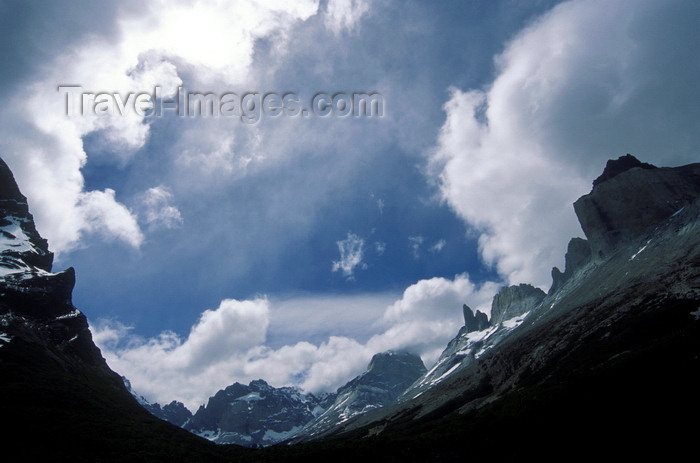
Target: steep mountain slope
point(387, 376)
point(58, 397)
point(607, 361)
point(509, 309)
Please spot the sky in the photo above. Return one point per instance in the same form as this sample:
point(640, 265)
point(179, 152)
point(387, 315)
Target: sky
point(291, 247)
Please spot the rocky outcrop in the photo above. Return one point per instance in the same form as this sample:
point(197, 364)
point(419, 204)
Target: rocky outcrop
point(630, 199)
point(391, 372)
point(512, 301)
point(614, 167)
point(474, 321)
point(578, 254)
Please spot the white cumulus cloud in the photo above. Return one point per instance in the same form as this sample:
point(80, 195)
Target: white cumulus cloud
point(215, 350)
point(103, 214)
point(579, 86)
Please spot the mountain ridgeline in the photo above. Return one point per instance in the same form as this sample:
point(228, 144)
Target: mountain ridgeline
point(602, 365)
point(604, 360)
point(258, 415)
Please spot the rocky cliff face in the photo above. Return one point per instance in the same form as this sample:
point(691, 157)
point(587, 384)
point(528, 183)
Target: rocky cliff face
point(513, 301)
point(630, 199)
point(474, 321)
point(578, 254)
point(22, 249)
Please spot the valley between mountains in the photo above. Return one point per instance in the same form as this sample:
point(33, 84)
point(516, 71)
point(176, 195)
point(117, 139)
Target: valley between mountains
point(604, 364)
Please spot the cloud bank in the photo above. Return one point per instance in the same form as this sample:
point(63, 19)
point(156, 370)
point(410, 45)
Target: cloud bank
point(229, 343)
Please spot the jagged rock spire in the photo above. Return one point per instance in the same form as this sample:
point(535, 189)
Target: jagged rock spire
point(474, 321)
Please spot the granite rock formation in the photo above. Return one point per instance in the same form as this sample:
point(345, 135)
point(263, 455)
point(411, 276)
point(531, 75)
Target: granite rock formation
point(630, 199)
point(474, 321)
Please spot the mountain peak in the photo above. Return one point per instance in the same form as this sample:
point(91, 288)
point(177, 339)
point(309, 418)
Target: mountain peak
point(8, 185)
point(614, 167)
point(22, 249)
point(391, 361)
point(513, 301)
point(255, 415)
